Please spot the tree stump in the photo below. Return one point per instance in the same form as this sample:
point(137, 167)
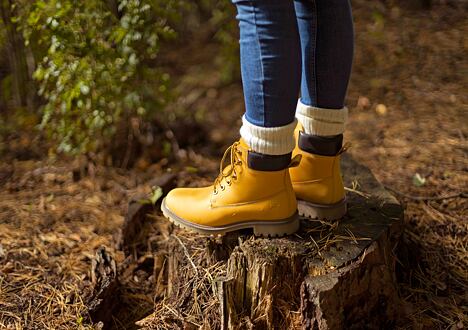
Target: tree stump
point(327, 276)
point(105, 284)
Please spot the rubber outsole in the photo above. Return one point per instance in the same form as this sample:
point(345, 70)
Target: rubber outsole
point(266, 228)
point(331, 212)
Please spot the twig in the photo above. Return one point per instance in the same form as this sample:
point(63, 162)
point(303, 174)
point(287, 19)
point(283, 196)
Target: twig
point(318, 249)
point(427, 198)
point(351, 234)
point(128, 150)
point(360, 193)
point(186, 253)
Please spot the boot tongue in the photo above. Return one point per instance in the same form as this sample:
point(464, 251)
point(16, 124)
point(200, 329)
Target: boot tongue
point(243, 144)
point(299, 127)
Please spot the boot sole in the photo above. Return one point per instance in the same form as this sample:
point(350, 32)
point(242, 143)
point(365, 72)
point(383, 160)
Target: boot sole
point(329, 212)
point(270, 228)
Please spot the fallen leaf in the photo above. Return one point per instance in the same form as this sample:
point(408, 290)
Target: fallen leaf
point(363, 102)
point(419, 180)
point(381, 109)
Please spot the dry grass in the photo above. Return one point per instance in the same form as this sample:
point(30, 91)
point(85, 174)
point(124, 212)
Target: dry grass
point(50, 227)
point(409, 61)
point(192, 299)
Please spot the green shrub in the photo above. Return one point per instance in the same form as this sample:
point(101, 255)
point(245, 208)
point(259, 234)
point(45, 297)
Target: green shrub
point(95, 64)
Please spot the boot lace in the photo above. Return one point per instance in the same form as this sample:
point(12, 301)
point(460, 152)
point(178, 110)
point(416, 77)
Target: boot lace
point(230, 172)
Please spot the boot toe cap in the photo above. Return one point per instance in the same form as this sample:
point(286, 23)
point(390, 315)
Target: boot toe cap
point(189, 204)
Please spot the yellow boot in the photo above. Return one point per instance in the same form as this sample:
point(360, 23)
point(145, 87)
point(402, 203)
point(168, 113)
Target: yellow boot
point(317, 180)
point(241, 197)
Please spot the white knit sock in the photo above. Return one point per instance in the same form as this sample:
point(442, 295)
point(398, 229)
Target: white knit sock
point(321, 121)
point(269, 140)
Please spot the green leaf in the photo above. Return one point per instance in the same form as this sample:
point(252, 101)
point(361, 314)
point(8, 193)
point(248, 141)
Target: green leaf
point(156, 194)
point(418, 180)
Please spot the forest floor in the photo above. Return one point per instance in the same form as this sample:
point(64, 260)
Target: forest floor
point(408, 124)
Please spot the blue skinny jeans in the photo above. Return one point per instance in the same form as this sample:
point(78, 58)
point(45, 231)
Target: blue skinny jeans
point(288, 47)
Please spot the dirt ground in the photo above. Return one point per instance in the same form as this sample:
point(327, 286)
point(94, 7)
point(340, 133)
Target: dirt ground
point(408, 123)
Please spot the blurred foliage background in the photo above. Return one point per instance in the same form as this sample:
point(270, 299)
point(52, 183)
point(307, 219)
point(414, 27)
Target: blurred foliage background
point(82, 74)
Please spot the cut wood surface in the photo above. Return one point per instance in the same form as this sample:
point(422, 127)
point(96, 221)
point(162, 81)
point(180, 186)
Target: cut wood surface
point(327, 276)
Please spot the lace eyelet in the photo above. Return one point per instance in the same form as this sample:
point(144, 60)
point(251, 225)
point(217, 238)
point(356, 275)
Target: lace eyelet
point(229, 182)
point(215, 192)
point(222, 187)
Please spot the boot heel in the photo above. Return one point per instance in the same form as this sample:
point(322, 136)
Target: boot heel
point(277, 228)
point(331, 212)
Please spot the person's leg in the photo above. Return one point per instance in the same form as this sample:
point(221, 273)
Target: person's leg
point(270, 66)
point(326, 34)
point(255, 189)
point(327, 42)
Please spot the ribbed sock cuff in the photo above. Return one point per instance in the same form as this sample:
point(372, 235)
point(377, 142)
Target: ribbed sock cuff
point(321, 121)
point(269, 140)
